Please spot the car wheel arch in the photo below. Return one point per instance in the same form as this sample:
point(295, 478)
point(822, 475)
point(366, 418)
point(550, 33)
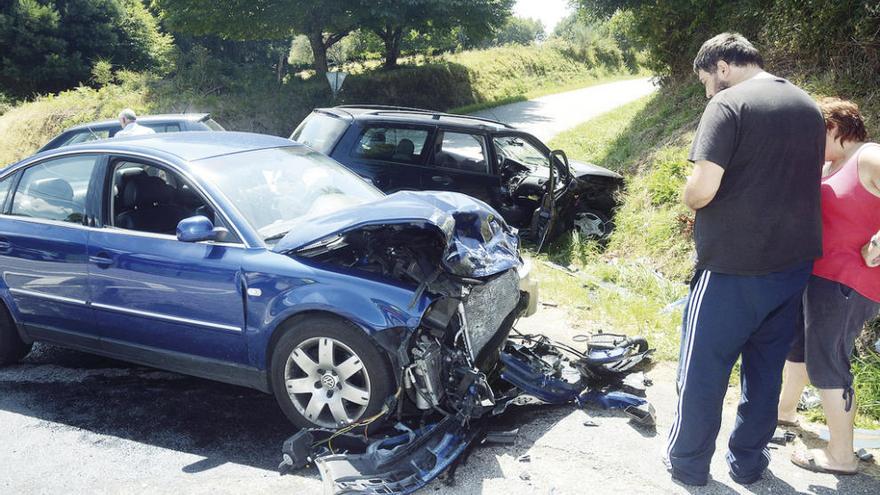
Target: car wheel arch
point(291, 321)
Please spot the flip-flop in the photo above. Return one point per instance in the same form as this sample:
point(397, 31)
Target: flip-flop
point(790, 424)
point(806, 461)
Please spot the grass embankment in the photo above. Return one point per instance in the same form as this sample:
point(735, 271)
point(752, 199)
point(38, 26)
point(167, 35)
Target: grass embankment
point(631, 285)
point(243, 98)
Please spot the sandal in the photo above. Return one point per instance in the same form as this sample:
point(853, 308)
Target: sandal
point(806, 461)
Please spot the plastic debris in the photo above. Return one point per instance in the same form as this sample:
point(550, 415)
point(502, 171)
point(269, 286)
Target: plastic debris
point(864, 455)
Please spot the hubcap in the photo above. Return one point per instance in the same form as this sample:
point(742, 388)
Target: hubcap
point(589, 224)
point(327, 382)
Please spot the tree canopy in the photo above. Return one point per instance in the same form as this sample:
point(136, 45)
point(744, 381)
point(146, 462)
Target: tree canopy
point(391, 20)
point(324, 22)
point(48, 46)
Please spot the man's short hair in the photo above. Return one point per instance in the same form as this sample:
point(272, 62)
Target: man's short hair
point(844, 116)
point(128, 114)
point(732, 48)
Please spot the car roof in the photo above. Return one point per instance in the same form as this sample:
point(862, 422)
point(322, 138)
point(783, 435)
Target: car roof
point(186, 146)
point(412, 116)
point(160, 118)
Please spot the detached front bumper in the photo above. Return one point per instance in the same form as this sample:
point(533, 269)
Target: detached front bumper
point(529, 287)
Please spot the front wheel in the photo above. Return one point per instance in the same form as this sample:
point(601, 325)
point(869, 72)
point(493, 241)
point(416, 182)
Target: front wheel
point(327, 373)
point(593, 224)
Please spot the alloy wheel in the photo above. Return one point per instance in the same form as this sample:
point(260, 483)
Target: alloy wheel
point(327, 382)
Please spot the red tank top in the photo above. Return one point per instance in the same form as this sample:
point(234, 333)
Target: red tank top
point(850, 216)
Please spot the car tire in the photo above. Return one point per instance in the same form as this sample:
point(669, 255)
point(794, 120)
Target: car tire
point(339, 398)
point(593, 224)
point(12, 348)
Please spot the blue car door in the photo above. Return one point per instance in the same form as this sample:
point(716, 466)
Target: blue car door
point(43, 248)
point(155, 297)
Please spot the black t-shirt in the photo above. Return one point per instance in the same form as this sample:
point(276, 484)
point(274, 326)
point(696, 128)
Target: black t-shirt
point(769, 136)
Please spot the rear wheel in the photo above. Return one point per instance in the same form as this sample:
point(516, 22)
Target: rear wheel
point(326, 373)
point(12, 348)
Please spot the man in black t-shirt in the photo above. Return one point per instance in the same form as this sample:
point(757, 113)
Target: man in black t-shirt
point(757, 157)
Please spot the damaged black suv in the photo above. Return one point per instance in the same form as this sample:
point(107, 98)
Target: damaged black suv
point(400, 148)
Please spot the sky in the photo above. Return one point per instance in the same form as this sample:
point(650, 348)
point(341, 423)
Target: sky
point(548, 11)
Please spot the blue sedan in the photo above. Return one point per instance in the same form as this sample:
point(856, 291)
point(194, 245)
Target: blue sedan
point(255, 261)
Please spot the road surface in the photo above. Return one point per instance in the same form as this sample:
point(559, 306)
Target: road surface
point(549, 115)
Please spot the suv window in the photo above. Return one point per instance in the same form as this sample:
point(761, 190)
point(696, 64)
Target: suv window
point(319, 131)
point(396, 144)
point(55, 189)
point(520, 150)
point(462, 151)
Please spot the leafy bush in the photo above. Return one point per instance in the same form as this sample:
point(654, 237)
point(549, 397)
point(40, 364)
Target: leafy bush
point(51, 46)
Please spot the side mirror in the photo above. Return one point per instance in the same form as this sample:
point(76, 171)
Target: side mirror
point(199, 228)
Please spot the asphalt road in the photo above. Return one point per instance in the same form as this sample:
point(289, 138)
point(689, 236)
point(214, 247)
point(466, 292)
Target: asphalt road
point(74, 423)
point(549, 115)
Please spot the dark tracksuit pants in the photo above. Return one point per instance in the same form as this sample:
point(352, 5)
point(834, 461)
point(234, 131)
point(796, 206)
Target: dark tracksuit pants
point(728, 316)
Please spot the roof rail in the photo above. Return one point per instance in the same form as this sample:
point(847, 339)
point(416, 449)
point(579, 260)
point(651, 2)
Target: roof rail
point(380, 109)
point(387, 107)
point(439, 115)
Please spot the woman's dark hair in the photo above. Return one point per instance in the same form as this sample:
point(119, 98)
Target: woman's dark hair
point(732, 48)
point(844, 116)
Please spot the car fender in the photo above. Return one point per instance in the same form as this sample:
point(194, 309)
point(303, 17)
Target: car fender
point(372, 304)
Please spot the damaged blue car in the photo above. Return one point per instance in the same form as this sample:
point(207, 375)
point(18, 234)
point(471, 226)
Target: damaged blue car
point(255, 261)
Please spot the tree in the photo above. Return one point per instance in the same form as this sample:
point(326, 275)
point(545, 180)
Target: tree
point(49, 46)
point(520, 31)
point(323, 22)
point(392, 20)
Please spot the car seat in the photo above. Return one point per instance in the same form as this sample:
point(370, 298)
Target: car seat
point(57, 194)
point(404, 151)
point(146, 203)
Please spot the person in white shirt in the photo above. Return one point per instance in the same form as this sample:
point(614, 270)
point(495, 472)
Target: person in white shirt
point(130, 127)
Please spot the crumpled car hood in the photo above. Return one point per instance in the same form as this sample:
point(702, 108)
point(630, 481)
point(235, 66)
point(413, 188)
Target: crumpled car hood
point(583, 168)
point(479, 243)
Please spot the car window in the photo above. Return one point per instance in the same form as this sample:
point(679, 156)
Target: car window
point(151, 199)
point(55, 189)
point(319, 131)
point(5, 184)
point(277, 188)
point(520, 150)
point(163, 127)
point(85, 136)
point(462, 151)
point(396, 144)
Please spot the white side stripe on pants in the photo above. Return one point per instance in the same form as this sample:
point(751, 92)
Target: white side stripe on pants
point(688, 345)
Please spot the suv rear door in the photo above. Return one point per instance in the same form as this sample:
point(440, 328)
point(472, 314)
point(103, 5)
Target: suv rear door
point(391, 155)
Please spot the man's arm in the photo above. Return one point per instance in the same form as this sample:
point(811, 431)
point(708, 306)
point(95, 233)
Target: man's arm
point(703, 184)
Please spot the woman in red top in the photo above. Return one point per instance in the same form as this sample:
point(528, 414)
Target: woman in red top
point(844, 291)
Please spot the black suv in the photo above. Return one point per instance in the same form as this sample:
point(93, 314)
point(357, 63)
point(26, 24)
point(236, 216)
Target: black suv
point(401, 148)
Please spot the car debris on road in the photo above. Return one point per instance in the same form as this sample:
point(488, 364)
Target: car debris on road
point(533, 370)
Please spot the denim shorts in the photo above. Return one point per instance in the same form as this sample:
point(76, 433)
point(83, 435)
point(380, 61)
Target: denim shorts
point(833, 316)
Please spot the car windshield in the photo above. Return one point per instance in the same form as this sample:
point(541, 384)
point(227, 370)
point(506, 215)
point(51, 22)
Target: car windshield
point(520, 150)
point(319, 131)
point(277, 188)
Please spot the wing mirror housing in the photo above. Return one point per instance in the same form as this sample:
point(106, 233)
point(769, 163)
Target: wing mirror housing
point(199, 228)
